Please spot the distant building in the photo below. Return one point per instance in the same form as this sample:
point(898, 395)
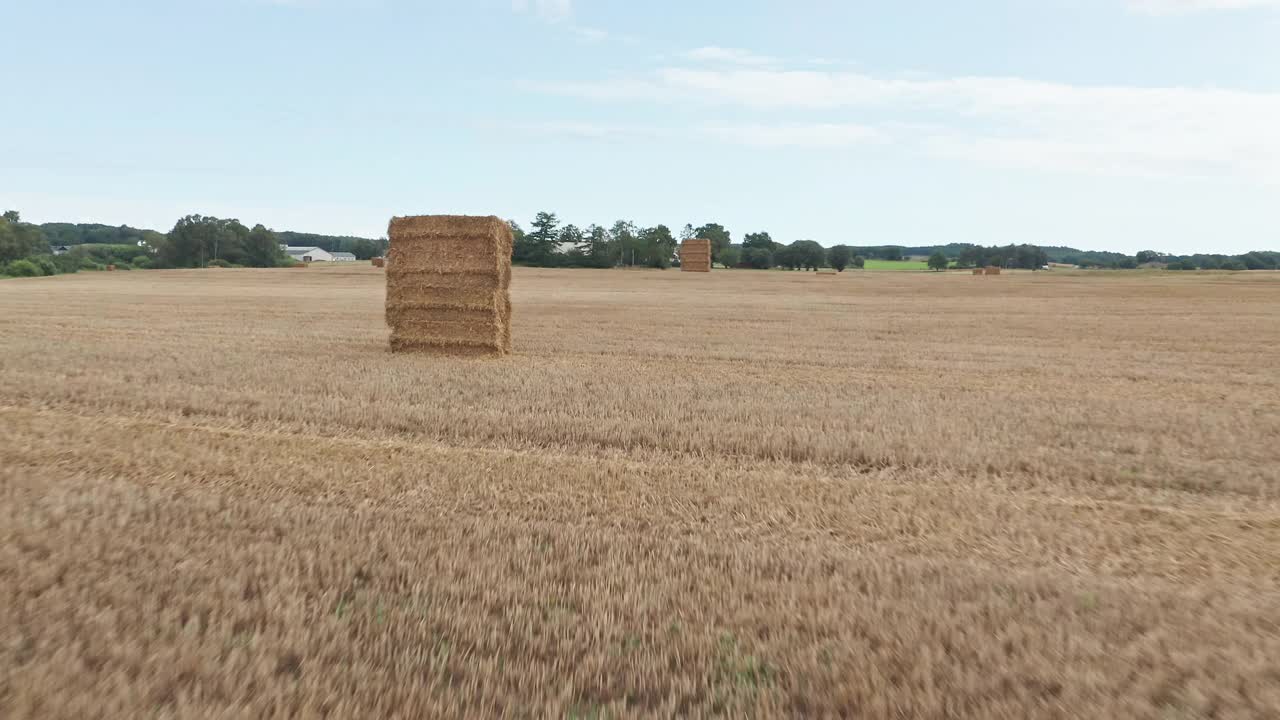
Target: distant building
point(310, 254)
point(343, 257)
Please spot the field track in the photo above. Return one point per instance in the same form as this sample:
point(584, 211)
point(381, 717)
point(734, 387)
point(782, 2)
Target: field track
point(743, 493)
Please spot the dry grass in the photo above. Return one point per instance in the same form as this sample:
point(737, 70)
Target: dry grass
point(886, 495)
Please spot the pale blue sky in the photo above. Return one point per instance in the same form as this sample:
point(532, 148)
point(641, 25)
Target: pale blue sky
point(1102, 124)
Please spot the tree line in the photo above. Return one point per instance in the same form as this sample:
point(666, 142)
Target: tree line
point(194, 241)
point(551, 243)
point(199, 241)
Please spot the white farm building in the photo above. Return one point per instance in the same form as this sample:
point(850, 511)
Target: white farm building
point(309, 254)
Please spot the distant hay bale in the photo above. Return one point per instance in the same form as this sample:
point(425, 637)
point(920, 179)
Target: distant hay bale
point(448, 280)
point(378, 262)
point(978, 271)
point(992, 270)
point(111, 268)
point(695, 255)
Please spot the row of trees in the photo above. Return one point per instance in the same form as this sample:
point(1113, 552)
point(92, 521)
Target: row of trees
point(197, 240)
point(194, 241)
point(548, 243)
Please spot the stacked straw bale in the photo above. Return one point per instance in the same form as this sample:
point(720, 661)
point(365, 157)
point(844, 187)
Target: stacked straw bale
point(377, 262)
point(977, 271)
point(993, 270)
point(447, 284)
point(695, 255)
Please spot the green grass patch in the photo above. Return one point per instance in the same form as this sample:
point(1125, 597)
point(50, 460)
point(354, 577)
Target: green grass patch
point(896, 265)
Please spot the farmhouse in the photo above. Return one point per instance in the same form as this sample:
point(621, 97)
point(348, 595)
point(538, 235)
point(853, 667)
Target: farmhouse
point(310, 254)
point(343, 257)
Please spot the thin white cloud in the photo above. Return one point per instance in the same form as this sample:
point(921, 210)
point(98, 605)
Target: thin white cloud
point(1013, 121)
point(1179, 7)
point(550, 10)
point(589, 34)
point(731, 56)
point(799, 135)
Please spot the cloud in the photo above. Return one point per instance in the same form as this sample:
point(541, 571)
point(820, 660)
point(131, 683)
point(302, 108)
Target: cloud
point(1169, 131)
point(549, 10)
point(800, 135)
point(732, 56)
point(1178, 7)
point(589, 34)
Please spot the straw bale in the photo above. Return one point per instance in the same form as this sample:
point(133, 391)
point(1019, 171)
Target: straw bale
point(111, 267)
point(377, 262)
point(993, 271)
point(695, 255)
point(978, 271)
point(448, 280)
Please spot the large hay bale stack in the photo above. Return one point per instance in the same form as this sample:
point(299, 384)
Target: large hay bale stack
point(377, 262)
point(992, 270)
point(978, 271)
point(447, 284)
point(695, 255)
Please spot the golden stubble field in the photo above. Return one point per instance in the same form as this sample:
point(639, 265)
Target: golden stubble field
point(744, 493)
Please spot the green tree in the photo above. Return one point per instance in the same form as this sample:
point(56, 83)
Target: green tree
point(839, 257)
point(938, 261)
point(22, 268)
point(517, 237)
point(196, 240)
point(730, 257)
point(1146, 256)
point(757, 257)
point(262, 248)
point(891, 252)
point(538, 246)
point(18, 239)
point(859, 262)
point(595, 247)
point(809, 254)
point(658, 246)
point(624, 244)
point(758, 250)
point(719, 237)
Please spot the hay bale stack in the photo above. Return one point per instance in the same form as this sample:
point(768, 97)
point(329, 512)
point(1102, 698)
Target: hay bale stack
point(978, 271)
point(695, 255)
point(377, 262)
point(992, 270)
point(111, 268)
point(447, 284)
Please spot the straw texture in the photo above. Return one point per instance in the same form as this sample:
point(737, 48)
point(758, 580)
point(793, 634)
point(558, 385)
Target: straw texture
point(448, 280)
point(695, 255)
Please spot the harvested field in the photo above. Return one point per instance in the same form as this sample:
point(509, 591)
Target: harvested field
point(882, 495)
